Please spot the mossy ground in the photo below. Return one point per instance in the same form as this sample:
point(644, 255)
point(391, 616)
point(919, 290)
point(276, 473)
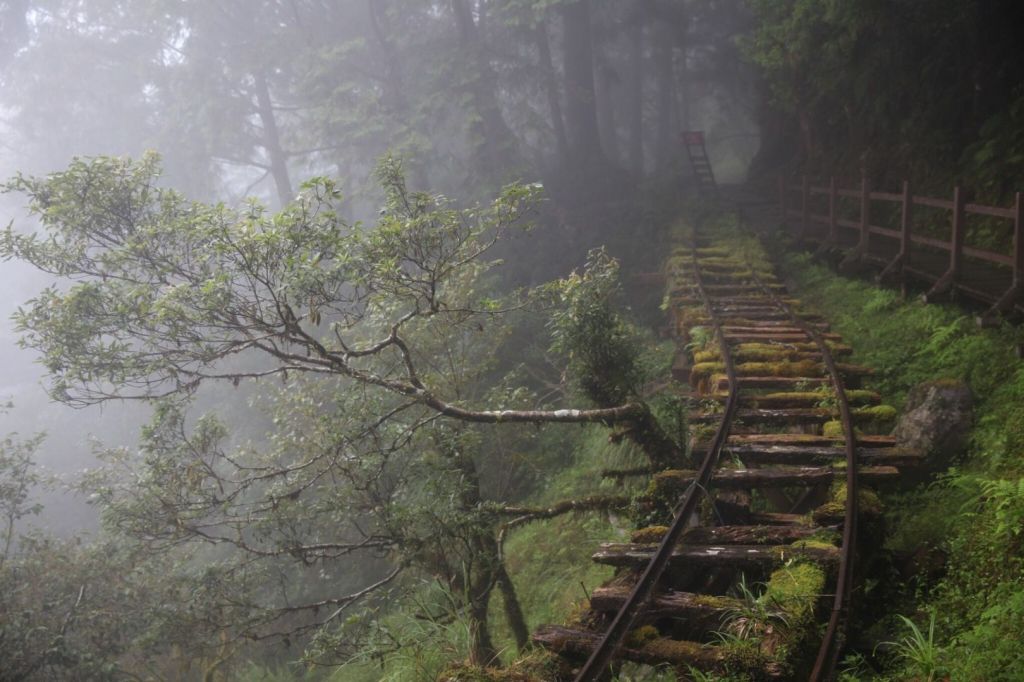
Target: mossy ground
point(972, 514)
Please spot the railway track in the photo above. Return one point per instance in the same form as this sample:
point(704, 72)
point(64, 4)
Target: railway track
point(749, 555)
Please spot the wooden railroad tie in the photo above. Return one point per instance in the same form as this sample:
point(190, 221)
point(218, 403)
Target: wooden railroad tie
point(773, 509)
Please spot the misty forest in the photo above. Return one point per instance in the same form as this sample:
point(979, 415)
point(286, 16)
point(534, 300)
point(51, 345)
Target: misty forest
point(511, 340)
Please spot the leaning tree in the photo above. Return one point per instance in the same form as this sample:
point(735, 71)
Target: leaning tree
point(375, 346)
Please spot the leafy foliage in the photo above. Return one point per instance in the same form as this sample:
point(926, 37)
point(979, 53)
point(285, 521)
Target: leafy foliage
point(918, 651)
point(600, 345)
point(972, 513)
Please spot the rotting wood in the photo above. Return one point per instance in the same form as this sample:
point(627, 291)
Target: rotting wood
point(731, 479)
point(580, 643)
point(710, 556)
point(776, 361)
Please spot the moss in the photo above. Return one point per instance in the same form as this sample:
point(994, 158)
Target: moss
point(861, 396)
point(703, 433)
point(741, 656)
point(706, 356)
point(712, 251)
point(712, 262)
point(705, 368)
point(833, 429)
point(868, 501)
point(793, 395)
point(674, 650)
point(813, 543)
point(649, 535)
point(829, 510)
point(804, 346)
point(637, 638)
point(868, 504)
point(670, 482)
point(779, 369)
point(875, 413)
point(537, 666)
point(796, 588)
point(713, 602)
point(778, 354)
point(764, 347)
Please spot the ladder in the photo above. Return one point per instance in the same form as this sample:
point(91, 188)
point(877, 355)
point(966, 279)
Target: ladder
point(693, 140)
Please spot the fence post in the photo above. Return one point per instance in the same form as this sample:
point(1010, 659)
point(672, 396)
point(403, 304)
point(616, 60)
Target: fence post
point(903, 256)
point(865, 213)
point(855, 258)
point(1018, 243)
point(1008, 301)
point(805, 209)
point(782, 199)
point(905, 221)
point(957, 246)
point(833, 226)
point(947, 282)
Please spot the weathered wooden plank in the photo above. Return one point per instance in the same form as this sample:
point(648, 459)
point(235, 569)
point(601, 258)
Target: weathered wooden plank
point(701, 612)
point(775, 477)
point(793, 399)
point(806, 439)
point(579, 643)
point(733, 556)
point(779, 417)
point(755, 382)
point(808, 455)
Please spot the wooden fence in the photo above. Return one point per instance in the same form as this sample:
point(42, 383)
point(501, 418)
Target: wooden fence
point(946, 266)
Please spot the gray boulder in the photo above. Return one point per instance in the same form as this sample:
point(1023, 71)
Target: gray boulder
point(937, 421)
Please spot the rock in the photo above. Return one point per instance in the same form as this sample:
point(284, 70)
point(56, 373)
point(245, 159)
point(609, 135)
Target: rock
point(937, 421)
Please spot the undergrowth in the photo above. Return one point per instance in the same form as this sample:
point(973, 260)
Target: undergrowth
point(973, 513)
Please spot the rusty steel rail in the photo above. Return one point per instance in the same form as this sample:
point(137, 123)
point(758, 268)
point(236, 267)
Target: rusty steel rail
point(831, 644)
point(607, 649)
point(603, 654)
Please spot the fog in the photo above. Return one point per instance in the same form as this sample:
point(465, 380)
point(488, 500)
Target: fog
point(581, 103)
point(95, 78)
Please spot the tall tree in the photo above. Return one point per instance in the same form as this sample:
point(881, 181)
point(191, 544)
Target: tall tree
point(491, 139)
point(634, 98)
point(381, 336)
point(581, 110)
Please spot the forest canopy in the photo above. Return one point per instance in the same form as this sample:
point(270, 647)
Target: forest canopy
point(357, 302)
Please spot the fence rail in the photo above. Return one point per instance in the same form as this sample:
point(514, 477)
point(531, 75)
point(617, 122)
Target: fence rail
point(947, 266)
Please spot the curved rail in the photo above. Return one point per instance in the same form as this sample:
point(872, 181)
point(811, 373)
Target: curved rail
point(828, 652)
point(605, 651)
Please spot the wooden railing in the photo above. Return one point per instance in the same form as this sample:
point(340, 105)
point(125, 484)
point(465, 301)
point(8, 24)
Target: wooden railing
point(892, 249)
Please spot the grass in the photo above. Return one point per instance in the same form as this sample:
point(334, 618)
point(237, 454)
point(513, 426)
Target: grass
point(918, 652)
point(971, 513)
point(549, 561)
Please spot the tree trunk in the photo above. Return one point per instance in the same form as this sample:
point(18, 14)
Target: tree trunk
point(660, 449)
point(513, 609)
point(634, 96)
point(681, 35)
point(581, 110)
point(492, 139)
point(481, 648)
point(665, 112)
point(605, 86)
point(484, 570)
point(271, 141)
point(551, 86)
